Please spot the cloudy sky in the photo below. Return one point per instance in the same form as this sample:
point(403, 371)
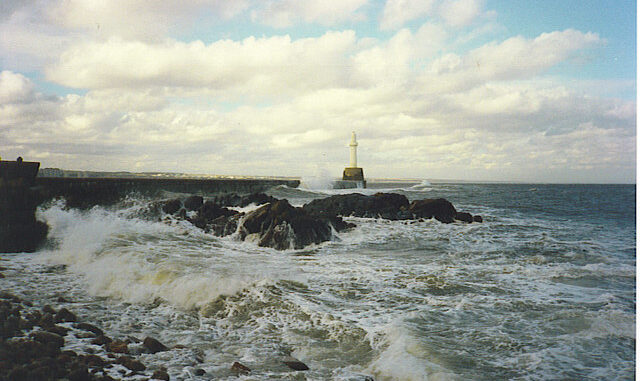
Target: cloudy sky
point(515, 90)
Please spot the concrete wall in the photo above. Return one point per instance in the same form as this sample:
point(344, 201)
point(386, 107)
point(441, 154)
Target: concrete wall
point(85, 192)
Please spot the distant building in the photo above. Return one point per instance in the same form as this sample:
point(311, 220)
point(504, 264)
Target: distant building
point(353, 172)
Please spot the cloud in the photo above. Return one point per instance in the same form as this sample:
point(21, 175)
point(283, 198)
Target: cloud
point(397, 12)
point(140, 19)
point(254, 65)
point(286, 13)
point(460, 13)
point(15, 88)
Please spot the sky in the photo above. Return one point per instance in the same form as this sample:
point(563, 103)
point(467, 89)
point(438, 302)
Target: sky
point(476, 90)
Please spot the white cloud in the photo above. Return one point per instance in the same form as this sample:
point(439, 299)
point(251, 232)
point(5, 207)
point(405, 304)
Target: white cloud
point(142, 19)
point(15, 88)
point(286, 13)
point(397, 12)
point(460, 13)
point(259, 66)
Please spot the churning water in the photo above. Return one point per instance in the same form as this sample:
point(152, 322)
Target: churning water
point(543, 289)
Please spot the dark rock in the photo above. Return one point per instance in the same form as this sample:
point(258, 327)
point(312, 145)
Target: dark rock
point(477, 218)
point(160, 375)
point(118, 346)
point(440, 209)
point(48, 309)
point(47, 338)
point(46, 320)
point(464, 216)
point(238, 368)
point(101, 340)
point(193, 202)
point(62, 331)
point(79, 374)
point(282, 226)
point(89, 327)
point(199, 372)
point(153, 345)
point(64, 315)
point(130, 363)
point(224, 226)
point(171, 206)
point(295, 364)
point(62, 299)
point(384, 205)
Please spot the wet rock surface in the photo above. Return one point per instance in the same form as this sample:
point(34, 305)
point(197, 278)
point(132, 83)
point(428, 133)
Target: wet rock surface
point(279, 225)
point(32, 347)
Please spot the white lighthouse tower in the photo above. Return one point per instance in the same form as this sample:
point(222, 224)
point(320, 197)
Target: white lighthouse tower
point(353, 150)
point(353, 176)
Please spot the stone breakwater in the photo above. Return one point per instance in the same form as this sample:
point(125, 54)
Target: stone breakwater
point(280, 225)
point(20, 196)
point(19, 229)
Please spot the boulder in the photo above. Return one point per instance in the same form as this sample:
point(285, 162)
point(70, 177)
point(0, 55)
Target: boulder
point(464, 216)
point(295, 364)
point(477, 218)
point(153, 345)
point(239, 368)
point(171, 206)
point(439, 208)
point(64, 315)
point(282, 226)
point(193, 202)
point(47, 338)
point(390, 206)
point(160, 374)
point(130, 363)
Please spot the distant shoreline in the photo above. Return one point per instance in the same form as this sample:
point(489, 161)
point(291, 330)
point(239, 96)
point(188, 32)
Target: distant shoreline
point(57, 172)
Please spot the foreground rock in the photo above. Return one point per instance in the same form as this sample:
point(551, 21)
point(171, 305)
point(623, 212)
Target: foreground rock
point(282, 226)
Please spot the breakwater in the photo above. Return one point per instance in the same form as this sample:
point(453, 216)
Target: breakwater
point(86, 192)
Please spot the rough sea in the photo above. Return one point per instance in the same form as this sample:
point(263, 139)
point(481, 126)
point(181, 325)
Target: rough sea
point(543, 289)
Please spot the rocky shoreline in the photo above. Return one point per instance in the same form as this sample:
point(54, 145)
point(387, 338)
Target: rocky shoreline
point(36, 344)
point(279, 225)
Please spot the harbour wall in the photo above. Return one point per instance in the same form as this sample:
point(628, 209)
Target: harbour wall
point(86, 192)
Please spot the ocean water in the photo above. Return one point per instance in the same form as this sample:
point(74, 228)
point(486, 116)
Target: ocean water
point(543, 289)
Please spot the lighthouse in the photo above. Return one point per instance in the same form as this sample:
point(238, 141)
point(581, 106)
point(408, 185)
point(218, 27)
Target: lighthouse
point(353, 151)
point(353, 173)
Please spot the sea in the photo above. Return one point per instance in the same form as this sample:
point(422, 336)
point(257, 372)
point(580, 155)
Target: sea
point(543, 289)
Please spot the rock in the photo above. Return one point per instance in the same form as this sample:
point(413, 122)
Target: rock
point(64, 315)
point(48, 309)
point(118, 346)
point(130, 363)
point(171, 206)
point(440, 209)
point(380, 205)
point(89, 327)
point(193, 202)
point(294, 363)
point(47, 338)
point(199, 372)
point(464, 216)
point(153, 345)
point(238, 368)
point(477, 218)
point(282, 226)
point(101, 340)
point(62, 331)
point(160, 375)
